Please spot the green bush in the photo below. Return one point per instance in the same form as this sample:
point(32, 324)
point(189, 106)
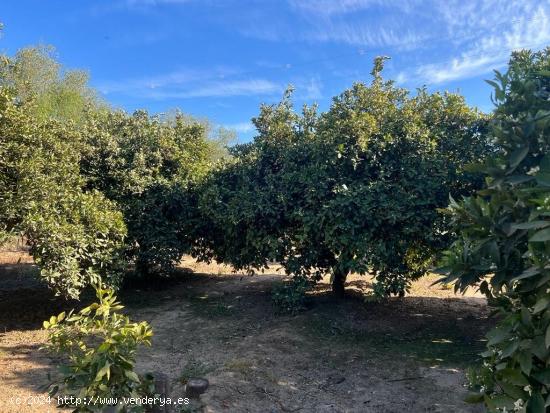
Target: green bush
point(291, 297)
point(100, 346)
point(78, 244)
point(93, 188)
point(504, 240)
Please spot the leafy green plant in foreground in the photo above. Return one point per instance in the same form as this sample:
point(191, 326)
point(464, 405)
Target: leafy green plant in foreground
point(100, 344)
point(504, 243)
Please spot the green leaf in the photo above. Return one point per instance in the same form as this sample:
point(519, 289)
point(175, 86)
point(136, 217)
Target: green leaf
point(510, 349)
point(535, 404)
point(514, 377)
point(61, 317)
point(541, 304)
point(518, 155)
point(494, 84)
point(530, 272)
point(544, 164)
point(538, 347)
point(497, 335)
point(541, 236)
point(474, 398)
point(499, 401)
point(514, 391)
point(105, 370)
point(525, 316)
point(518, 179)
point(543, 178)
point(131, 375)
point(531, 225)
point(543, 376)
point(525, 362)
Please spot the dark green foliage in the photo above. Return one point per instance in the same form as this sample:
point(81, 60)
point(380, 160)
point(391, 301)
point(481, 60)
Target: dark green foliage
point(69, 164)
point(146, 165)
point(354, 189)
point(291, 297)
point(504, 244)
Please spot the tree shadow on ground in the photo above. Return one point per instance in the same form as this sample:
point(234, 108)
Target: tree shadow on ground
point(25, 300)
point(33, 366)
point(225, 317)
point(448, 331)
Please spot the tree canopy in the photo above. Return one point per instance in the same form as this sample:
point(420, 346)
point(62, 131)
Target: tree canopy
point(354, 189)
point(75, 236)
point(91, 188)
point(146, 164)
point(34, 76)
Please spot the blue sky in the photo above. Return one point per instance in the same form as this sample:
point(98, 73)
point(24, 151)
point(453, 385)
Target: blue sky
point(221, 58)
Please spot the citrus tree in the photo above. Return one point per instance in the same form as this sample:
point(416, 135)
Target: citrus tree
point(504, 240)
point(75, 236)
point(355, 189)
point(140, 165)
point(145, 164)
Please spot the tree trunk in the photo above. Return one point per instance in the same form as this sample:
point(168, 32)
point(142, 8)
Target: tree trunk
point(338, 281)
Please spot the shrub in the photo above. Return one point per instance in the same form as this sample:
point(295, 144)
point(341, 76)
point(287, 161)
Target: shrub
point(291, 297)
point(100, 345)
point(63, 151)
point(395, 286)
point(504, 240)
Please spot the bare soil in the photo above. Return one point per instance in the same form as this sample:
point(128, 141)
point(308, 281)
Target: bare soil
point(400, 355)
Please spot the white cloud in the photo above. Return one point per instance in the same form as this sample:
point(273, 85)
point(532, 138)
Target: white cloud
point(130, 86)
point(191, 83)
point(490, 51)
point(242, 127)
point(459, 68)
point(399, 25)
point(310, 89)
point(229, 88)
point(335, 7)
point(358, 34)
point(353, 22)
point(465, 38)
point(219, 82)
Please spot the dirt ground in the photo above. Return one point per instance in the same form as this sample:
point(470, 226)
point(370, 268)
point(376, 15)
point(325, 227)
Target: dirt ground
point(401, 355)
